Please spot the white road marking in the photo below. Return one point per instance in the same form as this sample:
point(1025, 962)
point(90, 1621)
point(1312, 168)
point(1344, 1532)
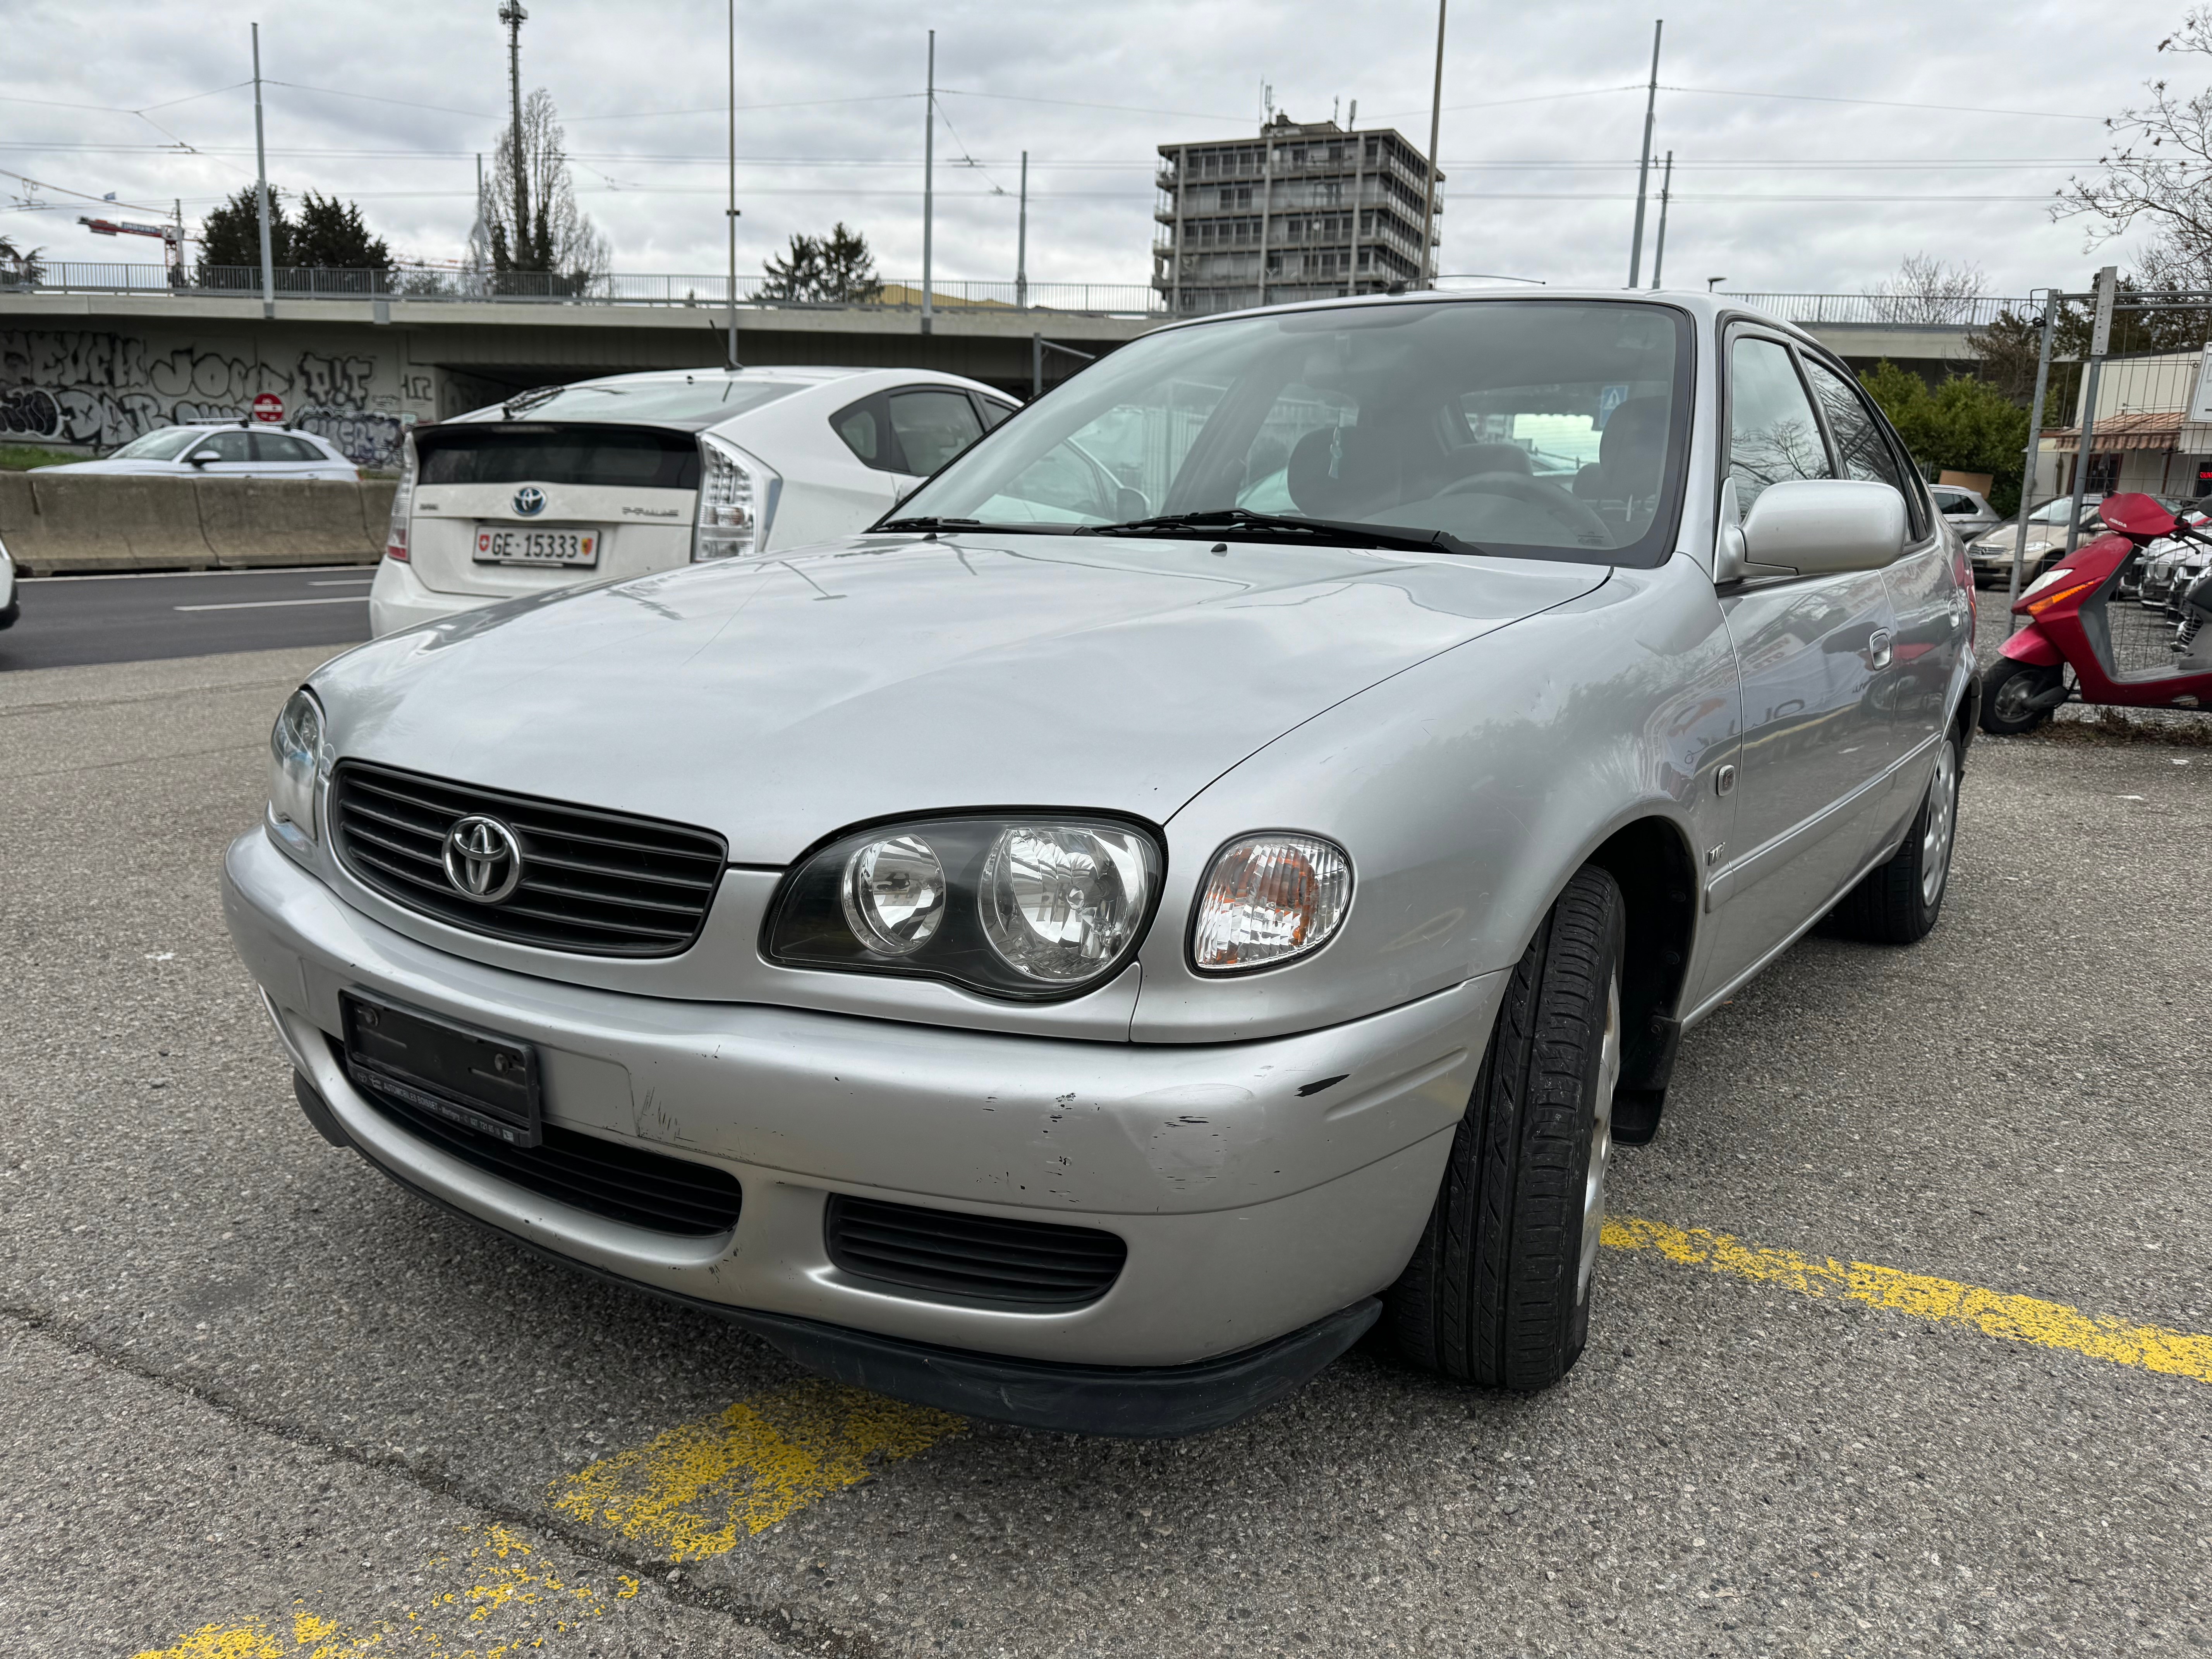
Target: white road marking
point(271, 604)
point(351, 581)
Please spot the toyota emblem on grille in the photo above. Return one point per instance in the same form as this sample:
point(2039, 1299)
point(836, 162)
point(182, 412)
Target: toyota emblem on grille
point(484, 860)
point(529, 502)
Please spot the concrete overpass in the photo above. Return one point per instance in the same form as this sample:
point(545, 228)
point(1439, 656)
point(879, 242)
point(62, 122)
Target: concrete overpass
point(85, 370)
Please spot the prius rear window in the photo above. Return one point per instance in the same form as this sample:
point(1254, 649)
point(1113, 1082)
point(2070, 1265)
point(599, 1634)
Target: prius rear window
point(517, 452)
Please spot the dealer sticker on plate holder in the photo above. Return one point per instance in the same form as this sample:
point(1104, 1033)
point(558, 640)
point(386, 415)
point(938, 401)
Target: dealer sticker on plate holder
point(499, 543)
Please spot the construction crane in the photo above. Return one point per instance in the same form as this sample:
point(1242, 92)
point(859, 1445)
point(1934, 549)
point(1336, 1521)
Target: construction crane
point(171, 236)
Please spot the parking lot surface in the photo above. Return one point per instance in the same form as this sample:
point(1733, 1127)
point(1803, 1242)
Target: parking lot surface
point(1901, 1347)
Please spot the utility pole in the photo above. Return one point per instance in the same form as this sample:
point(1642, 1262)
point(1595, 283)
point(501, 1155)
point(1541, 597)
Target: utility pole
point(1436, 118)
point(928, 179)
point(732, 208)
point(261, 187)
point(513, 16)
point(1644, 167)
point(1666, 189)
point(1022, 242)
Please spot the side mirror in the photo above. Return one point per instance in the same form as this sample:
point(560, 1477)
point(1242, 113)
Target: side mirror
point(200, 458)
point(1130, 504)
point(1820, 526)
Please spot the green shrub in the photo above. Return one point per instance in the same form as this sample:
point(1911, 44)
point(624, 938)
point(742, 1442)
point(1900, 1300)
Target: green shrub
point(1964, 425)
point(21, 458)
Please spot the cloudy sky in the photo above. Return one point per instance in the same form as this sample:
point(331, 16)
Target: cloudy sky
point(1805, 157)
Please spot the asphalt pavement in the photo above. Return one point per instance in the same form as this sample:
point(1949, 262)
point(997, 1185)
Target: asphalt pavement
point(1901, 1346)
point(72, 620)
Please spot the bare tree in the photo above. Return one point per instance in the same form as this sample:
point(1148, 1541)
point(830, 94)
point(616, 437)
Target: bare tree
point(538, 228)
point(1926, 290)
point(2158, 173)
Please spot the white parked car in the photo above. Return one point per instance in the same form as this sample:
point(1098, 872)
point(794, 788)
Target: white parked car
point(228, 449)
point(1966, 511)
point(638, 473)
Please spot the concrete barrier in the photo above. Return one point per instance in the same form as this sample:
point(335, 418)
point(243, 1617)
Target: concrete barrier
point(85, 521)
point(271, 521)
point(81, 521)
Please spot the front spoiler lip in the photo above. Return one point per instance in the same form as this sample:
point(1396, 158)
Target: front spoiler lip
point(1148, 1403)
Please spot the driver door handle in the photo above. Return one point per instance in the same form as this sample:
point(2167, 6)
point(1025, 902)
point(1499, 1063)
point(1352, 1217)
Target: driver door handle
point(1878, 648)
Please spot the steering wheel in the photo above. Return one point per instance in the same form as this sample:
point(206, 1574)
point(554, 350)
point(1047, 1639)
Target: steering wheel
point(1549, 497)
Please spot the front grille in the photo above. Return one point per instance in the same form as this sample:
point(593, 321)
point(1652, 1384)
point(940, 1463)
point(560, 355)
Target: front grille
point(607, 1177)
point(977, 1258)
point(597, 883)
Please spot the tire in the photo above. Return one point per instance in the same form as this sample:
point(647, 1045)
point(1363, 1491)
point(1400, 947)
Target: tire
point(2006, 690)
point(1498, 1291)
point(1898, 903)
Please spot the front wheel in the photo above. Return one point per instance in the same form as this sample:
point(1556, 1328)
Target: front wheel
point(1498, 1290)
point(2010, 692)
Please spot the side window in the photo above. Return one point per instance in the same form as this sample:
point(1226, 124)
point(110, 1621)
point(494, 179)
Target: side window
point(1864, 452)
point(933, 426)
point(282, 447)
point(992, 411)
point(226, 447)
point(864, 430)
point(1772, 435)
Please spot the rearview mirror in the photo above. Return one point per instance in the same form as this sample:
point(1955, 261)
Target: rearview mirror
point(1819, 526)
point(200, 458)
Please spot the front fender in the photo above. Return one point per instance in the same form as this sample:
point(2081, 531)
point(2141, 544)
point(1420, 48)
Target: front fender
point(2032, 644)
point(1468, 789)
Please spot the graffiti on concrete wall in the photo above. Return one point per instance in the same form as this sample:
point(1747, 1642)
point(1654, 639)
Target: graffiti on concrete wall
point(86, 387)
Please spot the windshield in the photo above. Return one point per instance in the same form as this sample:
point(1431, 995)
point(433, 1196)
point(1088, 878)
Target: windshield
point(165, 444)
point(700, 400)
point(2058, 510)
point(1542, 428)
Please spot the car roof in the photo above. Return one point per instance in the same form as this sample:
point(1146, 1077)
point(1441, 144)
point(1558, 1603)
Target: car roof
point(1703, 306)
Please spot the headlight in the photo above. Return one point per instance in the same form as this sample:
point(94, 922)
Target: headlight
point(737, 501)
point(1267, 899)
point(295, 747)
point(1031, 907)
point(2046, 581)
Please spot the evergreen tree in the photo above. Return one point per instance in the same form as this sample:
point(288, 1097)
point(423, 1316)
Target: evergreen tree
point(231, 233)
point(837, 268)
point(330, 235)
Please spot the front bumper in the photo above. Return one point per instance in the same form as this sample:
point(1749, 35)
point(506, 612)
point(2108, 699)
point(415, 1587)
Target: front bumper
point(1261, 1188)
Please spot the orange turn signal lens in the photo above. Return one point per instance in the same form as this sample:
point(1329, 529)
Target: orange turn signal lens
point(2042, 602)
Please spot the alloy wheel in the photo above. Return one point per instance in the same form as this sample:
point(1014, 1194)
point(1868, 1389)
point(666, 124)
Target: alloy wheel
point(1601, 1144)
point(1941, 816)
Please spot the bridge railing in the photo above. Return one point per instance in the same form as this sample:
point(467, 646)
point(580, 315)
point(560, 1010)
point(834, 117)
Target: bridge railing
point(1895, 310)
point(437, 282)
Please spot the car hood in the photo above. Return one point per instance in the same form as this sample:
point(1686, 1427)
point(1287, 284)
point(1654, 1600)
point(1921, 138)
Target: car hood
point(777, 701)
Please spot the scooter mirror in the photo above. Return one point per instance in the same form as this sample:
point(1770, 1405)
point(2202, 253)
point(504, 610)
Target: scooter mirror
point(2137, 515)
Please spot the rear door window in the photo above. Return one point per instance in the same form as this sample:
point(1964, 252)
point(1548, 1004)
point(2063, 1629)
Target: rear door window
point(1772, 433)
point(281, 447)
point(933, 426)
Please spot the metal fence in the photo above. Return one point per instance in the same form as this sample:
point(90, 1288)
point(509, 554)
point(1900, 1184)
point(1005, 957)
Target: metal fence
point(435, 283)
point(1898, 310)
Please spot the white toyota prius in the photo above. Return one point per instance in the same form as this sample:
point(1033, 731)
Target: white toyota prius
point(637, 473)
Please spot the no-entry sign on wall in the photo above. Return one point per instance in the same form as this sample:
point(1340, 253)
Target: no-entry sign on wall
point(268, 406)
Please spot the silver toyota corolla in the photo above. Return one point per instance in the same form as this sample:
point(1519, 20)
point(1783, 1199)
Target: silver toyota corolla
point(1083, 956)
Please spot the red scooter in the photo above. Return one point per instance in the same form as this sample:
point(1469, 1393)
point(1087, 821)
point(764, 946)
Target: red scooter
point(2121, 653)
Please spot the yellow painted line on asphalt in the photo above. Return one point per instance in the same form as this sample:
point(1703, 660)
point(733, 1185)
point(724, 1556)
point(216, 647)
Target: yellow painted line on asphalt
point(499, 1602)
point(697, 1489)
point(693, 1493)
point(1994, 1313)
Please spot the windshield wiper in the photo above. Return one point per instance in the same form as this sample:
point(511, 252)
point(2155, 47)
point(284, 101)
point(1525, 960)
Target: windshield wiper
point(1248, 525)
point(926, 524)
